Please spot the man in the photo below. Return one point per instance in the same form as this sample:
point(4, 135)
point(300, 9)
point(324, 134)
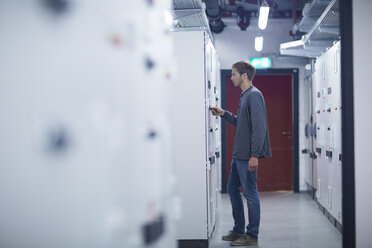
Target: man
point(251, 143)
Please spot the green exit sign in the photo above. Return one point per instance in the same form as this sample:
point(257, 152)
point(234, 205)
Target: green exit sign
point(261, 62)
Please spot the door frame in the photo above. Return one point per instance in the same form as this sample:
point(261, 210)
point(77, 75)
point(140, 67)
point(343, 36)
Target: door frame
point(295, 101)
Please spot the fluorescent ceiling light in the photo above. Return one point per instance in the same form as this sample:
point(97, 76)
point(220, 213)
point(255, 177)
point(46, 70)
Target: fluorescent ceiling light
point(264, 15)
point(258, 43)
point(292, 44)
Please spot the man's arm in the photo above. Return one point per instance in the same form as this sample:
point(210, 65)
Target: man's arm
point(226, 115)
point(229, 117)
point(258, 121)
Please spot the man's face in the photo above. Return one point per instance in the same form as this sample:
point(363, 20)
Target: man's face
point(236, 78)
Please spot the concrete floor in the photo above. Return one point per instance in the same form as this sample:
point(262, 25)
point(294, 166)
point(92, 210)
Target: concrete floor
point(287, 220)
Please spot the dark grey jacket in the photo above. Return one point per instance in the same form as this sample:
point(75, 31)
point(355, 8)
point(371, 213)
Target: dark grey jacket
point(252, 133)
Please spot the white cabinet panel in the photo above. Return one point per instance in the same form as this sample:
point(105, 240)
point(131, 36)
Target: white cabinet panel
point(327, 115)
point(196, 134)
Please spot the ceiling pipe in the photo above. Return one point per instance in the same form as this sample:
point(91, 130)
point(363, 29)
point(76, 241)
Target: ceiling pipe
point(232, 2)
point(214, 14)
point(242, 18)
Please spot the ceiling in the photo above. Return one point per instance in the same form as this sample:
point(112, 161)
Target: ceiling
point(317, 26)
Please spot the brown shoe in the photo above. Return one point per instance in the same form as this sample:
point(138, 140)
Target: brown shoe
point(232, 236)
point(244, 240)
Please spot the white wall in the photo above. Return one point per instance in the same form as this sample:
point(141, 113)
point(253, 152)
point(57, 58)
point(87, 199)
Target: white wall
point(362, 37)
point(233, 45)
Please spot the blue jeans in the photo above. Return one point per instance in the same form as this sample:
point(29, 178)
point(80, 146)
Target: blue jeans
point(241, 176)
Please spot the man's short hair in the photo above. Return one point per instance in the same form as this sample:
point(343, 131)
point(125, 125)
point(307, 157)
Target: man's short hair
point(245, 67)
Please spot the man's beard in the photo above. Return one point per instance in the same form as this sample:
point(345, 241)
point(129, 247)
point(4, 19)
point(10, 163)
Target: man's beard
point(239, 82)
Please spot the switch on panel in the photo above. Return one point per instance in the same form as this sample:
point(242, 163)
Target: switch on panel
point(212, 160)
point(329, 153)
point(313, 155)
point(329, 90)
point(217, 154)
point(153, 230)
point(304, 151)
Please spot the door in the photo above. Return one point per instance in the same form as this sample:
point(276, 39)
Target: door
point(274, 173)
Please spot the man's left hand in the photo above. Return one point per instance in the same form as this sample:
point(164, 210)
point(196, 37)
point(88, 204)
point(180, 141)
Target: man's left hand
point(253, 164)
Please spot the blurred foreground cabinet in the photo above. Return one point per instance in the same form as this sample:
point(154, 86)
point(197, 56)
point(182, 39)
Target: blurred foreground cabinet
point(84, 161)
point(196, 136)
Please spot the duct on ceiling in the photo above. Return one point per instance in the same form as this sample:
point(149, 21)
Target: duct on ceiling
point(322, 33)
point(214, 14)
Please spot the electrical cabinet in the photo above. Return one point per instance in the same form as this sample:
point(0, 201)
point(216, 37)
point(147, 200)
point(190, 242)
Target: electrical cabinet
point(327, 116)
point(309, 162)
point(85, 144)
point(196, 134)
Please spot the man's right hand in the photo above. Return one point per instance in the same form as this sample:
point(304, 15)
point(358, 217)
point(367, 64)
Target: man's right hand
point(217, 111)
